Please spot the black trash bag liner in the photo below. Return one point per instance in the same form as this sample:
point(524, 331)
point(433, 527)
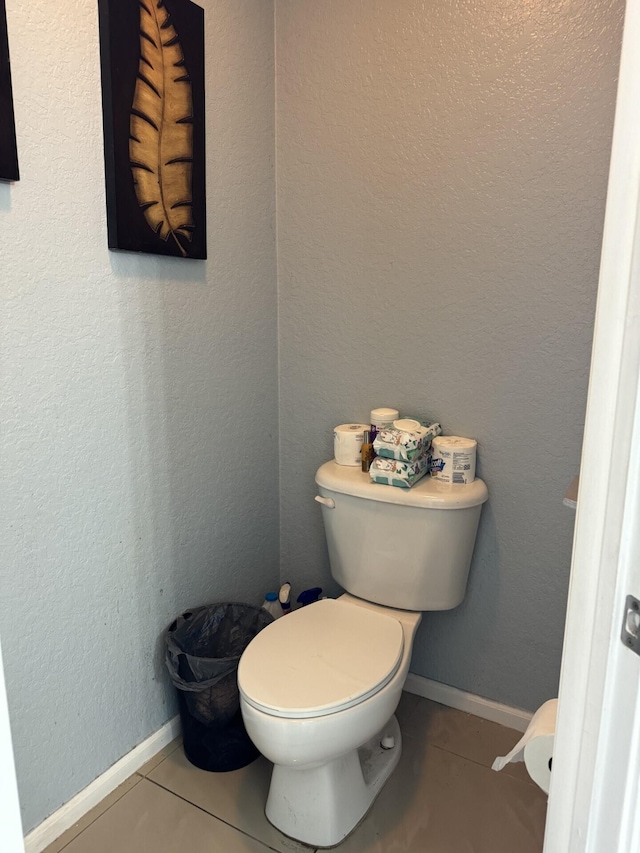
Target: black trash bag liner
point(204, 647)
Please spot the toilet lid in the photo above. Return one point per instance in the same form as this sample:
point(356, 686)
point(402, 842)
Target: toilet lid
point(320, 659)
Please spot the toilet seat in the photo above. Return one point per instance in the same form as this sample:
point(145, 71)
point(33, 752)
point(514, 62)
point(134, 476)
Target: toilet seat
point(321, 659)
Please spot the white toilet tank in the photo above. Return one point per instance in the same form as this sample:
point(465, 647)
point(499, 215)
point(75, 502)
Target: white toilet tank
point(404, 548)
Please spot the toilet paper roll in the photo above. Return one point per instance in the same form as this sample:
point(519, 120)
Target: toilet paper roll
point(347, 443)
point(535, 747)
point(453, 459)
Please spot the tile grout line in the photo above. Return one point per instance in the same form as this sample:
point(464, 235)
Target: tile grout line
point(529, 782)
point(222, 820)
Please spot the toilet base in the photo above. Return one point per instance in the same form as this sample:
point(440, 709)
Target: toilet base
point(321, 805)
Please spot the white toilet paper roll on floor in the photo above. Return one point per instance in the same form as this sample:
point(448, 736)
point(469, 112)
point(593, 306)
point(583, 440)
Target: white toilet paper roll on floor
point(535, 747)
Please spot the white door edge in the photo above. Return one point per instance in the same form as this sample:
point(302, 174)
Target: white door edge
point(589, 772)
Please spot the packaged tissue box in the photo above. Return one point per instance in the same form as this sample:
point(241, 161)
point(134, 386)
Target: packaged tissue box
point(393, 472)
point(405, 445)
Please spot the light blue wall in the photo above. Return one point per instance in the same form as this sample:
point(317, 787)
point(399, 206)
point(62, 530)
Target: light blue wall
point(442, 172)
point(139, 401)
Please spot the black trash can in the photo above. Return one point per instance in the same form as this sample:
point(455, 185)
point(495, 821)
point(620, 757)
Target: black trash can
point(203, 648)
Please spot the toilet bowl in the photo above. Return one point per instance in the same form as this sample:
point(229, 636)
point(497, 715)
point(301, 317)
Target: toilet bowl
point(318, 691)
point(318, 688)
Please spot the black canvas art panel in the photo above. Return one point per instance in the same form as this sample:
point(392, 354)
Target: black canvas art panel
point(8, 149)
point(152, 57)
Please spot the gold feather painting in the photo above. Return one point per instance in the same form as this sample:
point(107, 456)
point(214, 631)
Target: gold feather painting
point(152, 55)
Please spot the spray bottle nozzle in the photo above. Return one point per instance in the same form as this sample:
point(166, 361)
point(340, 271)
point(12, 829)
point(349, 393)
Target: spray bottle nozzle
point(284, 597)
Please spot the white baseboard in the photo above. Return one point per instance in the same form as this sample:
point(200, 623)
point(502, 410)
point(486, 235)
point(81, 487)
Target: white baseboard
point(68, 814)
point(514, 718)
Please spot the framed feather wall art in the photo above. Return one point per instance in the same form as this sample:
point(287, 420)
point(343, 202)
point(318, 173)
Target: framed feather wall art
point(152, 57)
point(8, 149)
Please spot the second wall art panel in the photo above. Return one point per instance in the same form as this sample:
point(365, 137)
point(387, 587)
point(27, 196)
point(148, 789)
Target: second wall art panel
point(8, 149)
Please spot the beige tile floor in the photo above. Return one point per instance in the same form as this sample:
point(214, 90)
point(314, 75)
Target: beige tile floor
point(442, 798)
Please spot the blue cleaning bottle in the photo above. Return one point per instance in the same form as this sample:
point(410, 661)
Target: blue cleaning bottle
point(309, 596)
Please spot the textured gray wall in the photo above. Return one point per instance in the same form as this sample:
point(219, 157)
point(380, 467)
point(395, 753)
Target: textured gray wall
point(127, 383)
point(442, 172)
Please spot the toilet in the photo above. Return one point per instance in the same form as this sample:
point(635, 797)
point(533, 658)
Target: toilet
point(319, 688)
